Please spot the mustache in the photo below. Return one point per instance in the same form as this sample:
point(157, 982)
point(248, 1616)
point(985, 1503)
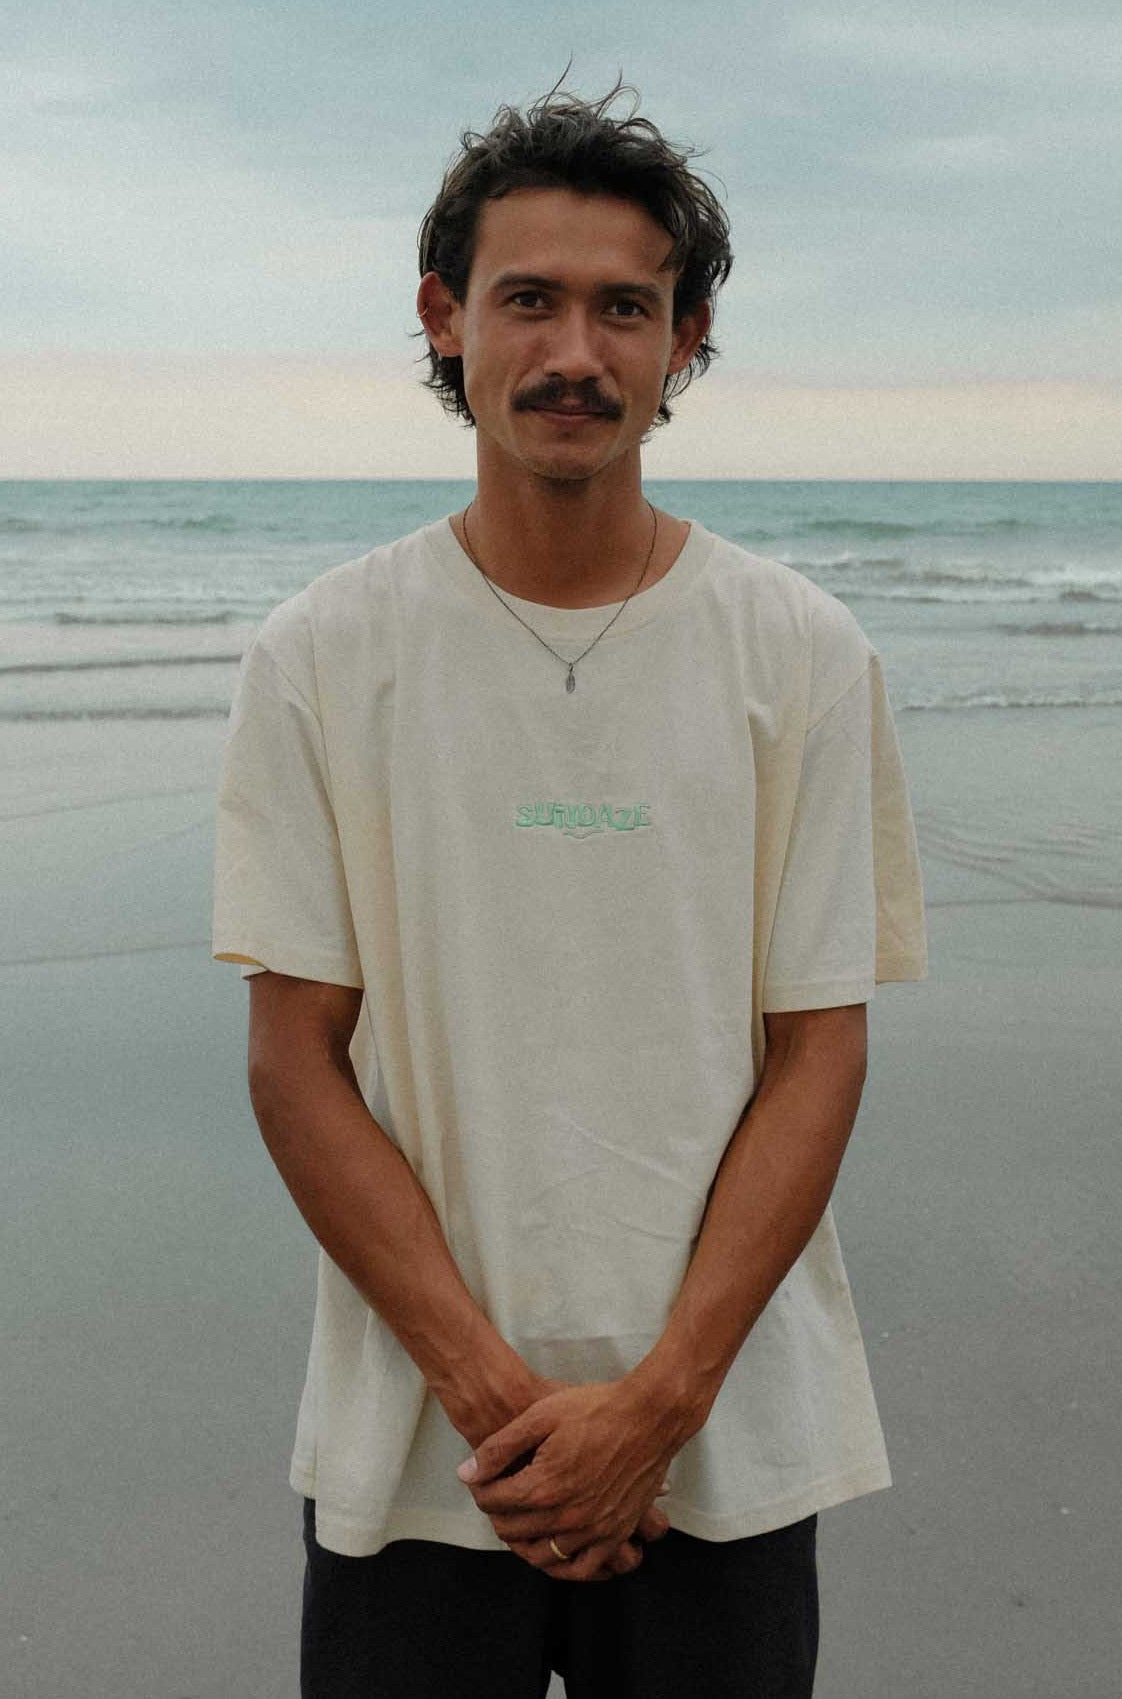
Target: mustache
point(556, 392)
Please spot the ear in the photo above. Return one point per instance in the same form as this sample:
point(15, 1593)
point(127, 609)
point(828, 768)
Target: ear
point(689, 333)
point(440, 313)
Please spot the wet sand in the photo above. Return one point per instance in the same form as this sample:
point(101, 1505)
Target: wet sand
point(157, 1283)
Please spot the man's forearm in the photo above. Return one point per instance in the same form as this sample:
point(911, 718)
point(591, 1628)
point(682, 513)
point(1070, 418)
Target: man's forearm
point(365, 1205)
point(768, 1196)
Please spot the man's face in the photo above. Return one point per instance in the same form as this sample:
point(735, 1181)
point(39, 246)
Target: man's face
point(567, 332)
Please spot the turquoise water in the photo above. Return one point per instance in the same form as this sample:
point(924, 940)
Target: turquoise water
point(126, 599)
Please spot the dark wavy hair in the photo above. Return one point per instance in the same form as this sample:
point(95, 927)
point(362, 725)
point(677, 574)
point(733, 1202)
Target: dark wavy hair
point(562, 141)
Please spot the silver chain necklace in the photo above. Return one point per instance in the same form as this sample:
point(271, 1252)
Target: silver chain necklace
point(570, 666)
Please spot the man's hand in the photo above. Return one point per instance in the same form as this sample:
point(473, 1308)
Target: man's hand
point(598, 1462)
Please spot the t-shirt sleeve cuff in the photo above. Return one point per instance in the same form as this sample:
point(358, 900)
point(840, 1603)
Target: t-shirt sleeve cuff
point(816, 994)
point(895, 970)
point(294, 961)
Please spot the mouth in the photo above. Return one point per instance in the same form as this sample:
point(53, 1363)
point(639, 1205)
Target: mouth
point(553, 403)
point(572, 412)
point(572, 419)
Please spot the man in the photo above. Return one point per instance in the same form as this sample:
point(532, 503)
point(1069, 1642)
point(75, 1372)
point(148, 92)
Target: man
point(565, 843)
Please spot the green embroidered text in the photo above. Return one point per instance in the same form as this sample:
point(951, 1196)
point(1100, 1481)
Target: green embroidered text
point(577, 819)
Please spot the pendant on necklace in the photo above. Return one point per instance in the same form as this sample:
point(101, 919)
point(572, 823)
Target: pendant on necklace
point(570, 682)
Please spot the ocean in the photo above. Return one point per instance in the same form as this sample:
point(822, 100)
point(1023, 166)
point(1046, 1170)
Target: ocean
point(999, 604)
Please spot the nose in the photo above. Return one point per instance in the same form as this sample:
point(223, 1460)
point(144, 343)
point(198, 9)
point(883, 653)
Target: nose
point(574, 351)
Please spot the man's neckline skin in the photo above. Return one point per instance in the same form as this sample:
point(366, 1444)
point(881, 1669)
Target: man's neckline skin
point(566, 334)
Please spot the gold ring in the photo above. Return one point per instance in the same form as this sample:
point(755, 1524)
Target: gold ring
point(556, 1550)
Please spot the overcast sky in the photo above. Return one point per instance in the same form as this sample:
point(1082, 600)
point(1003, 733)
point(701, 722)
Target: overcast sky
point(921, 196)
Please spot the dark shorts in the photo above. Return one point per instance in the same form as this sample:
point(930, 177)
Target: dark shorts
point(699, 1619)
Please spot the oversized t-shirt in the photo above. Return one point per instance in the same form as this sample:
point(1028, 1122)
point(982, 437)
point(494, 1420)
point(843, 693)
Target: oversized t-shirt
point(569, 913)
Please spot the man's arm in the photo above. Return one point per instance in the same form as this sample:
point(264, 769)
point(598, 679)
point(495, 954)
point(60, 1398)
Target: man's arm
point(769, 1194)
point(600, 1447)
point(365, 1205)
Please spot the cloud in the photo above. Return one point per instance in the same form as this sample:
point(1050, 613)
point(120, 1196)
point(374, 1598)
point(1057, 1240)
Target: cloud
point(215, 416)
point(998, 45)
point(970, 155)
point(916, 193)
point(144, 248)
point(249, 416)
point(742, 427)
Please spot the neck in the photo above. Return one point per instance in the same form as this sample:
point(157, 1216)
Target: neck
point(566, 544)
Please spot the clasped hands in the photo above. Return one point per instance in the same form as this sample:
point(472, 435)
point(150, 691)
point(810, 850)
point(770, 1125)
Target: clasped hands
point(590, 1463)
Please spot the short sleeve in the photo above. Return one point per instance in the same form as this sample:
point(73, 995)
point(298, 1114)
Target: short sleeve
point(280, 889)
point(849, 913)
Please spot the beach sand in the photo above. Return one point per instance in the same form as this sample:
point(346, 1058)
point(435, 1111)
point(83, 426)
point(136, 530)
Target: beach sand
point(157, 1282)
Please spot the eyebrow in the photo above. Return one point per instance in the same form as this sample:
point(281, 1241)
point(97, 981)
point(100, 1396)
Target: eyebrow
point(531, 280)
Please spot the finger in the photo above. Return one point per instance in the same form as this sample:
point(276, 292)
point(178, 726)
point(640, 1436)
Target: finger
point(539, 1554)
point(652, 1525)
point(520, 1462)
point(598, 1562)
point(522, 1434)
point(529, 1523)
point(626, 1557)
point(601, 1561)
point(525, 1525)
point(526, 1521)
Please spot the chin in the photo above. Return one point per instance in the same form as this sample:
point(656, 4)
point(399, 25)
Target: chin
point(553, 473)
point(563, 468)
point(573, 465)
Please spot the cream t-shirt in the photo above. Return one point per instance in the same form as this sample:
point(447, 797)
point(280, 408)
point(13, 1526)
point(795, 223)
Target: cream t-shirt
point(569, 913)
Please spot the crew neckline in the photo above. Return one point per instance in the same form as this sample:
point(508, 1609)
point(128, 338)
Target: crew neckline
point(574, 623)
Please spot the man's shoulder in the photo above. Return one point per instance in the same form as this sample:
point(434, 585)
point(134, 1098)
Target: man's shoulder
point(386, 570)
point(777, 603)
point(358, 592)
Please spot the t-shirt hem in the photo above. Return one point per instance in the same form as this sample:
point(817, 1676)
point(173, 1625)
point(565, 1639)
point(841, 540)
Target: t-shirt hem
point(354, 1539)
point(822, 1494)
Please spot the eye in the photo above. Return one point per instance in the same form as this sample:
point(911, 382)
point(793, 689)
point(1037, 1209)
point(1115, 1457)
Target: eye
point(528, 298)
point(627, 309)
